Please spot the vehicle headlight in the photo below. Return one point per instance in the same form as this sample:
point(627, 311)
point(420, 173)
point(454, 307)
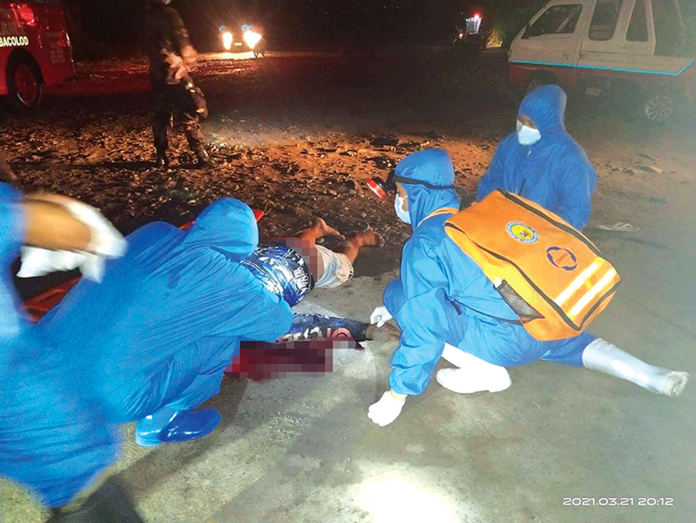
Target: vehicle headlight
point(227, 40)
point(251, 38)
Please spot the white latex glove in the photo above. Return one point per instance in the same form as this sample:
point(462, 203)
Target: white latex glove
point(37, 262)
point(105, 242)
point(386, 410)
point(380, 316)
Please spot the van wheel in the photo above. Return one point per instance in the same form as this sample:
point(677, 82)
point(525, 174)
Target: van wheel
point(658, 108)
point(24, 85)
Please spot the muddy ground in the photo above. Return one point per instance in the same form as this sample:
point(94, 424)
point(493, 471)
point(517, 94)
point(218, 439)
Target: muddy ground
point(297, 135)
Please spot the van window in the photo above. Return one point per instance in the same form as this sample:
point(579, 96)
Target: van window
point(638, 26)
point(669, 33)
point(559, 19)
point(604, 19)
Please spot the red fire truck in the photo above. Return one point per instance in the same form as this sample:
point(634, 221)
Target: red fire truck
point(35, 50)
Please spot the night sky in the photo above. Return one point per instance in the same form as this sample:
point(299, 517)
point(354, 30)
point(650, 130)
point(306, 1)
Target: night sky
point(301, 22)
point(307, 23)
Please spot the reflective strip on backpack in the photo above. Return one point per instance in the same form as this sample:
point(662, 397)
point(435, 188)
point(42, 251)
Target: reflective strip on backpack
point(578, 282)
point(593, 292)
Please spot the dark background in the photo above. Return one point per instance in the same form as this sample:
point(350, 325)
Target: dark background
point(299, 24)
point(103, 27)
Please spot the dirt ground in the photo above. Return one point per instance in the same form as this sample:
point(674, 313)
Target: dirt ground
point(297, 135)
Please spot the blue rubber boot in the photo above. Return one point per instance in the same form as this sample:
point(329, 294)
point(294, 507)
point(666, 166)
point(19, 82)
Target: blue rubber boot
point(188, 425)
point(148, 429)
point(168, 425)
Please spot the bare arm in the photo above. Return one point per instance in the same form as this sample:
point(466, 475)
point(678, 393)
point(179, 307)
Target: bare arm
point(50, 225)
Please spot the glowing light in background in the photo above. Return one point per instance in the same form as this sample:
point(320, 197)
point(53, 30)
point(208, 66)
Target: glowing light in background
point(227, 40)
point(473, 24)
point(251, 38)
point(391, 498)
point(495, 39)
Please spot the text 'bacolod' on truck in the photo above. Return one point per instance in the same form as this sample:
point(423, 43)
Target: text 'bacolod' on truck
point(35, 50)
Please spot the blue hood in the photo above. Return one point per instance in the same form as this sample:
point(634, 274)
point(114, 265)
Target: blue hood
point(432, 166)
point(546, 107)
point(229, 226)
point(554, 172)
point(169, 315)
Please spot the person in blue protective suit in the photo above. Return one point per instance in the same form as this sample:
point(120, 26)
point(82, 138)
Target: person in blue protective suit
point(54, 439)
point(446, 307)
point(156, 335)
point(542, 162)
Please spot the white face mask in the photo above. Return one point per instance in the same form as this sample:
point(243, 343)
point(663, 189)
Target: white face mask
point(526, 135)
point(399, 208)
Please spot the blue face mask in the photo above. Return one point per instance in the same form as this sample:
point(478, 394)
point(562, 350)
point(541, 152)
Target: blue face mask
point(399, 208)
point(526, 135)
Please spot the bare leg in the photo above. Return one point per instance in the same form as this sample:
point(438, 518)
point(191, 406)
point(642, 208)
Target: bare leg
point(356, 240)
point(319, 229)
point(305, 241)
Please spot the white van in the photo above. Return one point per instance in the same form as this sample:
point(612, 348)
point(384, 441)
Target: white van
point(633, 48)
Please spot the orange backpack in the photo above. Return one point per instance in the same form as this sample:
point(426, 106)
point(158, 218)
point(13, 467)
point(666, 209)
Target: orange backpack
point(550, 274)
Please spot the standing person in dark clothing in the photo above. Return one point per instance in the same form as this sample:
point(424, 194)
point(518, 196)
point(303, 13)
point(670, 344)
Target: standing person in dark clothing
point(171, 59)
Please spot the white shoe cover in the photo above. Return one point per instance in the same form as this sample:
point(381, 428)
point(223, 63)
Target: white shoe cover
point(468, 381)
point(463, 360)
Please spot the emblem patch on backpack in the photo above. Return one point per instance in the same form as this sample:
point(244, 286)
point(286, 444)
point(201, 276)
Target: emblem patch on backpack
point(562, 258)
point(522, 232)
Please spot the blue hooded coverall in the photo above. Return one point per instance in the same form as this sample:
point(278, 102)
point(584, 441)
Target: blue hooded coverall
point(168, 317)
point(444, 297)
point(53, 439)
point(554, 172)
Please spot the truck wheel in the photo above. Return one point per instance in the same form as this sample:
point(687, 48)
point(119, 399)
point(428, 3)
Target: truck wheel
point(24, 84)
point(658, 107)
point(536, 81)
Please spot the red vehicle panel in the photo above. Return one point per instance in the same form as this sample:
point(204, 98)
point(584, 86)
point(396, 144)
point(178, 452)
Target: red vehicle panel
point(35, 35)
